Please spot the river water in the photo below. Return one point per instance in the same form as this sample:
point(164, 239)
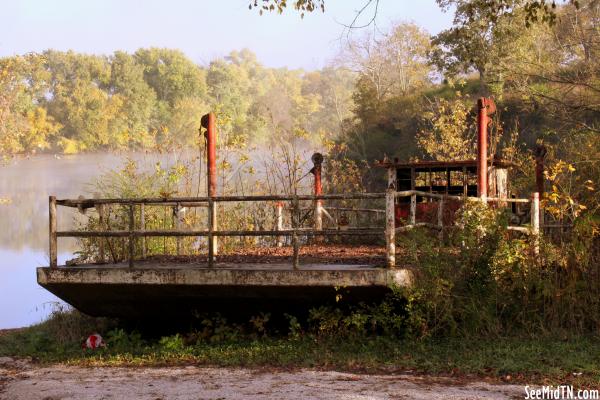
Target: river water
point(27, 183)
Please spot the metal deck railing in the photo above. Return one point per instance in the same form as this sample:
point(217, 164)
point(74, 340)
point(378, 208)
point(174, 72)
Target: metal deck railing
point(295, 231)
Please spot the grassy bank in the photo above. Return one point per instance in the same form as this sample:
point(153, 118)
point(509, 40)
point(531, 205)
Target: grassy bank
point(512, 359)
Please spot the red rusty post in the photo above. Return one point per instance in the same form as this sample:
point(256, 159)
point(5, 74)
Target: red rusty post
point(209, 122)
point(390, 219)
point(485, 107)
point(317, 160)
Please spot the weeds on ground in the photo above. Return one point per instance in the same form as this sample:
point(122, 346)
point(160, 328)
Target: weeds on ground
point(364, 341)
point(59, 337)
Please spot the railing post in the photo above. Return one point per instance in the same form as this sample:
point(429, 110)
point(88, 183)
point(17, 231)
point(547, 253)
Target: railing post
point(440, 219)
point(211, 229)
point(102, 257)
point(53, 252)
point(177, 227)
point(535, 221)
point(390, 227)
point(143, 228)
point(279, 216)
point(213, 223)
point(131, 229)
point(465, 182)
point(317, 160)
point(413, 210)
point(295, 222)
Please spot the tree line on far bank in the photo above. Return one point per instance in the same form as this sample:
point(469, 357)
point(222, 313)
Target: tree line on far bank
point(69, 102)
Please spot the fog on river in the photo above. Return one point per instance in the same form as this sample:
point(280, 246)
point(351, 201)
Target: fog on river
point(27, 183)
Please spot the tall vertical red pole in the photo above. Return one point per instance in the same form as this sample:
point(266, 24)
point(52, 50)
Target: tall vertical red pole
point(209, 122)
point(482, 145)
point(318, 183)
point(317, 159)
point(211, 156)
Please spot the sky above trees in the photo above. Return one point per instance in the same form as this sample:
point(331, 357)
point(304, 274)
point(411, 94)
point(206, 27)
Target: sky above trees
point(203, 30)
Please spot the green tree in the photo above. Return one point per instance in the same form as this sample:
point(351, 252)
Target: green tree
point(237, 85)
point(446, 135)
point(11, 120)
point(555, 70)
point(139, 99)
point(229, 88)
point(40, 129)
point(78, 99)
point(393, 63)
point(171, 74)
point(185, 120)
point(392, 72)
point(569, 89)
point(333, 88)
point(25, 127)
point(175, 79)
point(477, 41)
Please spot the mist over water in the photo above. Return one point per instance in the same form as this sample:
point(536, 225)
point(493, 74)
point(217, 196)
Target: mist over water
point(27, 183)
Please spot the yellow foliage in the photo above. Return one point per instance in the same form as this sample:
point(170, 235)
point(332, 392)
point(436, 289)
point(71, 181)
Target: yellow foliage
point(69, 146)
point(448, 136)
point(559, 201)
point(40, 128)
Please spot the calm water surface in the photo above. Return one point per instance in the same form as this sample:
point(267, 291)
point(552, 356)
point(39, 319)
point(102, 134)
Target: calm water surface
point(28, 182)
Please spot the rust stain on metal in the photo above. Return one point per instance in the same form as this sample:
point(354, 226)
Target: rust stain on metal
point(485, 108)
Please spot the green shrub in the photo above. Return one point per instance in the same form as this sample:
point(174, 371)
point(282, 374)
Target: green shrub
point(489, 281)
point(118, 340)
point(172, 344)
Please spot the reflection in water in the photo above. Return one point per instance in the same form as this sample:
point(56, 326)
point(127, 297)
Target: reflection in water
point(22, 301)
point(24, 224)
point(28, 182)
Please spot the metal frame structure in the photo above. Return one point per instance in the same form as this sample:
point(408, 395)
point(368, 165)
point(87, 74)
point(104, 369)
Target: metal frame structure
point(211, 233)
point(295, 232)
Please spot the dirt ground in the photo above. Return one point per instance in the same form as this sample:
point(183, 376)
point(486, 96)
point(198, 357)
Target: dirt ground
point(21, 380)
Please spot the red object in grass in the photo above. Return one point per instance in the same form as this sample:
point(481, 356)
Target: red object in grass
point(93, 342)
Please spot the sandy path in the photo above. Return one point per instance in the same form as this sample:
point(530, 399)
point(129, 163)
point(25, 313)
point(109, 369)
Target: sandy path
point(22, 381)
